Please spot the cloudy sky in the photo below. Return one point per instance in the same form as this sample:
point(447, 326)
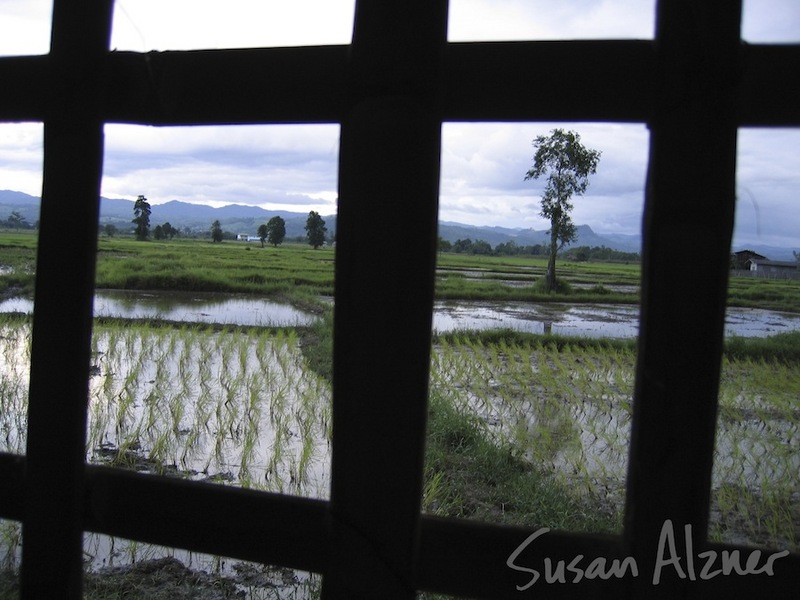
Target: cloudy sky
point(483, 165)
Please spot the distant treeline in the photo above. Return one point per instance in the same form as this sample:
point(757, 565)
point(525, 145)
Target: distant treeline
point(581, 253)
point(16, 221)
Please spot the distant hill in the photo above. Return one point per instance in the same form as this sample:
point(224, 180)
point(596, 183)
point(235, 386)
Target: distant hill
point(235, 218)
point(531, 237)
point(239, 218)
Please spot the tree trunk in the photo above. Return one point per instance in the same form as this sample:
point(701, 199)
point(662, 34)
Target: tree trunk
point(550, 275)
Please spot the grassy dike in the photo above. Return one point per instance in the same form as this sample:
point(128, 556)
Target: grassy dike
point(298, 274)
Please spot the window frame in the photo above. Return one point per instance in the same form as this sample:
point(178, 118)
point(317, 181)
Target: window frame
point(390, 90)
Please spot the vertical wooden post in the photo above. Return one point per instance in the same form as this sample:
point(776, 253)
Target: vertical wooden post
point(386, 244)
point(73, 156)
point(690, 202)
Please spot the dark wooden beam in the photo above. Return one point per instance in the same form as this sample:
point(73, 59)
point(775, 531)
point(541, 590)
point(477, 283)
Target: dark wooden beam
point(52, 552)
point(548, 81)
point(456, 557)
point(471, 559)
point(480, 81)
point(270, 85)
point(770, 86)
point(690, 201)
point(389, 162)
point(213, 519)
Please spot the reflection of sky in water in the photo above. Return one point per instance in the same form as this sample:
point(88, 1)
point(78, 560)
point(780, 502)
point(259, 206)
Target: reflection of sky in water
point(562, 319)
point(189, 307)
point(199, 308)
point(593, 320)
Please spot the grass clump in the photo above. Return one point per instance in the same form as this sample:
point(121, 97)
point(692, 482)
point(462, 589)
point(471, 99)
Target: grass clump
point(470, 475)
point(782, 348)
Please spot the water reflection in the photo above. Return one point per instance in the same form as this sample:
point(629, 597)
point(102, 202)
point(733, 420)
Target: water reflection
point(585, 320)
point(597, 320)
point(591, 320)
point(225, 309)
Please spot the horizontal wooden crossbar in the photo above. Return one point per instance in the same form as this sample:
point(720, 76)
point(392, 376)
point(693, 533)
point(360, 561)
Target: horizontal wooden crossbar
point(455, 556)
point(479, 82)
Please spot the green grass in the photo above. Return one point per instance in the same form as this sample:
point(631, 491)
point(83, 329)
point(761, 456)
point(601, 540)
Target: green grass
point(534, 430)
point(486, 458)
point(783, 348)
point(509, 419)
point(292, 271)
point(300, 275)
point(470, 475)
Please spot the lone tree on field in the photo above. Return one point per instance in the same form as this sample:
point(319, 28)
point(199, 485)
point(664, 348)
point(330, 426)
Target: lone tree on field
point(141, 218)
point(169, 230)
point(216, 232)
point(315, 229)
point(569, 165)
point(262, 233)
point(276, 231)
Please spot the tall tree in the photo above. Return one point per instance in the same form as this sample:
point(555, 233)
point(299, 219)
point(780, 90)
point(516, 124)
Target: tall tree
point(216, 231)
point(276, 230)
point(141, 218)
point(262, 233)
point(315, 230)
point(16, 220)
point(169, 230)
point(569, 165)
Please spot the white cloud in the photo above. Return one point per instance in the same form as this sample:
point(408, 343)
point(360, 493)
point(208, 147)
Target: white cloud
point(21, 157)
point(271, 166)
point(484, 167)
point(25, 27)
point(143, 25)
point(771, 21)
point(506, 20)
point(768, 180)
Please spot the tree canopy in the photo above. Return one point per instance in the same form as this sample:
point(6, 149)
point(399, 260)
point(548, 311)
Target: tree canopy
point(216, 231)
point(275, 230)
point(315, 230)
point(568, 165)
point(141, 218)
point(262, 233)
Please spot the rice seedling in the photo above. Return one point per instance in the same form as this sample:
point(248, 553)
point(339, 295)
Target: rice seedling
point(233, 407)
point(545, 405)
point(10, 544)
point(756, 476)
point(565, 408)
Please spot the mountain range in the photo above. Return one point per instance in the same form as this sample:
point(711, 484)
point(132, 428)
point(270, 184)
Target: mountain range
point(239, 218)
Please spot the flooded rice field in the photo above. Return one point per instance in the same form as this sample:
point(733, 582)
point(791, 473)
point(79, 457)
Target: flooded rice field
point(583, 320)
point(243, 409)
point(590, 320)
point(190, 307)
point(224, 407)
point(569, 412)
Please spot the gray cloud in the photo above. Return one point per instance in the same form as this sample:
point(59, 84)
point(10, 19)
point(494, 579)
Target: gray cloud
point(483, 165)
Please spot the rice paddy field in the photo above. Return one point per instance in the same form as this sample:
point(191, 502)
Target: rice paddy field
point(566, 408)
point(242, 407)
point(523, 428)
point(233, 407)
